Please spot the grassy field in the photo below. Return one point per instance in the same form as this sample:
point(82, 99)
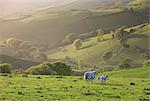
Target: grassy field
point(74, 88)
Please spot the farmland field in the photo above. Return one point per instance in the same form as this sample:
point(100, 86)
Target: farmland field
point(46, 47)
point(74, 88)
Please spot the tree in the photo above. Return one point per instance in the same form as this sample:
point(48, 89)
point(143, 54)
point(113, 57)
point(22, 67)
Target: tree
point(62, 68)
point(122, 36)
point(70, 38)
point(5, 68)
point(77, 44)
point(132, 30)
point(107, 56)
point(13, 42)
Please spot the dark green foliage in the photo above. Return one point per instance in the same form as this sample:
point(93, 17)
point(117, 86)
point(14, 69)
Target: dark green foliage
point(146, 63)
point(50, 69)
point(107, 56)
point(122, 36)
point(132, 30)
point(125, 64)
point(5, 68)
point(62, 68)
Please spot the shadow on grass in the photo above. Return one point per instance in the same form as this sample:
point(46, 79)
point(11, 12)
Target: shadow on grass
point(87, 46)
point(110, 84)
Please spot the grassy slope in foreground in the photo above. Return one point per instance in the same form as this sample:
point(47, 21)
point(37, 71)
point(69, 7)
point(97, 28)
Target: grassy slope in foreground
point(73, 88)
point(130, 73)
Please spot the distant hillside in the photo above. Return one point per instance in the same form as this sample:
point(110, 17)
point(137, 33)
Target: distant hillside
point(91, 52)
point(16, 62)
point(6, 50)
point(9, 7)
point(48, 27)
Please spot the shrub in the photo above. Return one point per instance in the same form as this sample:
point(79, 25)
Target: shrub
point(5, 68)
point(62, 68)
point(50, 69)
point(42, 69)
point(146, 63)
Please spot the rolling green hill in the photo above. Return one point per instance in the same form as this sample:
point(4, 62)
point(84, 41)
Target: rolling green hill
point(16, 62)
point(43, 26)
point(92, 51)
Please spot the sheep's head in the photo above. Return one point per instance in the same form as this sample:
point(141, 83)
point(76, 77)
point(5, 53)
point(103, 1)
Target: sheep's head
point(94, 72)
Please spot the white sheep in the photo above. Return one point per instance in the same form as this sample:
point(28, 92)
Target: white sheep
point(102, 78)
point(90, 75)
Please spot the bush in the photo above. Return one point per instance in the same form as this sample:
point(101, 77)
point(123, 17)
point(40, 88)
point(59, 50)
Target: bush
point(50, 69)
point(146, 63)
point(62, 68)
point(42, 69)
point(5, 68)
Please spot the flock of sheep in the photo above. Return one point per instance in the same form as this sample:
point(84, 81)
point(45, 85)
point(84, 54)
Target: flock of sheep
point(91, 75)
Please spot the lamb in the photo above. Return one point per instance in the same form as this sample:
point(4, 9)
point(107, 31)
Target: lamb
point(102, 78)
point(90, 75)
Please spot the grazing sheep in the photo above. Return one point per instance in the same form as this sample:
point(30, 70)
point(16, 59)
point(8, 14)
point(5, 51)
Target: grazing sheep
point(90, 75)
point(102, 78)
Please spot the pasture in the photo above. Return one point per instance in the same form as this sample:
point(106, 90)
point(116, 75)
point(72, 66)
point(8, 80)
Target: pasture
point(74, 88)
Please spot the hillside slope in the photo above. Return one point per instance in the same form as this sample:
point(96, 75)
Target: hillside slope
point(92, 51)
point(44, 25)
point(16, 62)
